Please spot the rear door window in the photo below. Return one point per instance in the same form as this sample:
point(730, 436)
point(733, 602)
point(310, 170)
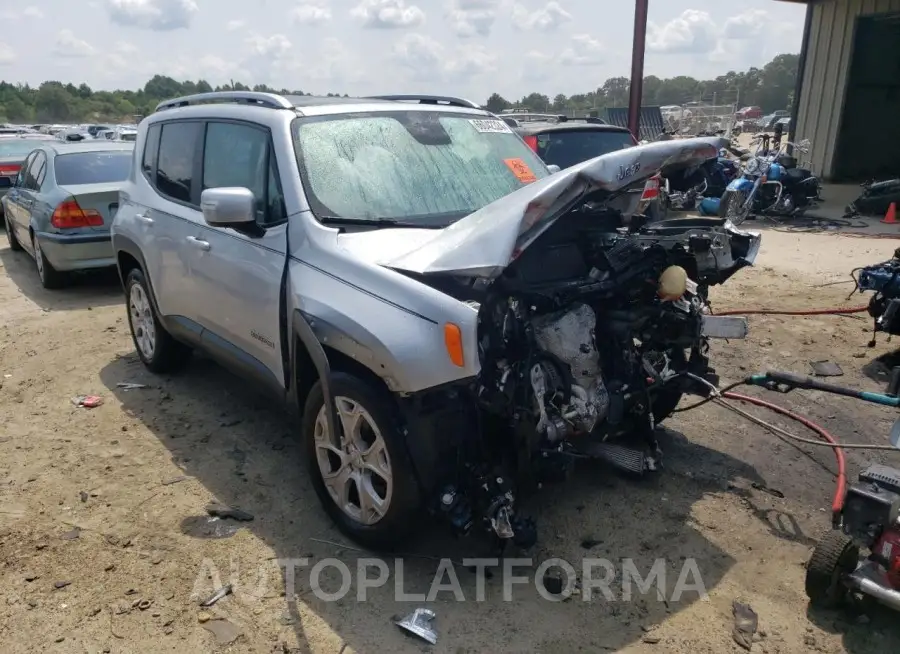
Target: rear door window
point(34, 170)
point(175, 165)
point(564, 149)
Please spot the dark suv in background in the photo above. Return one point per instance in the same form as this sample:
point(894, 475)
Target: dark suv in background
point(564, 142)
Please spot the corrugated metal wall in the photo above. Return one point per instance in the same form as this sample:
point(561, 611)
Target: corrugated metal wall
point(825, 79)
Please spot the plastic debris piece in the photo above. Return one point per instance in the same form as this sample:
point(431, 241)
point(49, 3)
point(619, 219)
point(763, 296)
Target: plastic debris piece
point(746, 623)
point(130, 386)
point(73, 534)
point(419, 624)
point(826, 369)
point(219, 594)
point(223, 511)
point(224, 631)
point(87, 401)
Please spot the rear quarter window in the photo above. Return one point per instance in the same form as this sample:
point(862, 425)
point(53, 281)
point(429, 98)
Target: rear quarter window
point(565, 149)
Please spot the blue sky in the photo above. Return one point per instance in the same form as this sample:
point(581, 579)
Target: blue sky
point(461, 47)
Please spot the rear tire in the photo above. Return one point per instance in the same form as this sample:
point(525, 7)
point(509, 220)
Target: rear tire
point(156, 347)
point(355, 467)
point(731, 206)
point(51, 278)
point(14, 244)
point(835, 556)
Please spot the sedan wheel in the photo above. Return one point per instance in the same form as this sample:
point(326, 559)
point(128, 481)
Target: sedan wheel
point(355, 466)
point(50, 277)
point(142, 321)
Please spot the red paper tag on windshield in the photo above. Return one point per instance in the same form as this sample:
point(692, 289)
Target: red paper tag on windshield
point(521, 170)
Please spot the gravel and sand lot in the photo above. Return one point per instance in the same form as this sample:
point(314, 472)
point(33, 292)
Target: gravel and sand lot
point(105, 543)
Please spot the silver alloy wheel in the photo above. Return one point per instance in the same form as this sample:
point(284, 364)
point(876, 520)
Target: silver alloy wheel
point(39, 258)
point(356, 467)
point(142, 325)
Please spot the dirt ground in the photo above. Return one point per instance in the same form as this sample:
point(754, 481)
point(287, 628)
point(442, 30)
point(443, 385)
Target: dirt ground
point(111, 499)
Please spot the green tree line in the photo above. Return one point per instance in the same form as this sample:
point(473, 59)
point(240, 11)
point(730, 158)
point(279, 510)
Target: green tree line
point(770, 87)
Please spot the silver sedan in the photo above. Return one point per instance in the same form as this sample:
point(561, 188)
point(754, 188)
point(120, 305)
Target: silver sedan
point(62, 203)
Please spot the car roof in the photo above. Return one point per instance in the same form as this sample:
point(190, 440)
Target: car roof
point(201, 104)
point(545, 128)
point(94, 145)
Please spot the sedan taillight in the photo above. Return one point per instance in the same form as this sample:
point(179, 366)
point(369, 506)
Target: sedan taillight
point(69, 215)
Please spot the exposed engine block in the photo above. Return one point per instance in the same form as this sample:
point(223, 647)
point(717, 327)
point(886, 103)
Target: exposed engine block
point(567, 384)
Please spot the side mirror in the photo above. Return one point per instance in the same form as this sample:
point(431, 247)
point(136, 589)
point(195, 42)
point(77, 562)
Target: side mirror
point(5, 182)
point(895, 435)
point(228, 206)
point(553, 168)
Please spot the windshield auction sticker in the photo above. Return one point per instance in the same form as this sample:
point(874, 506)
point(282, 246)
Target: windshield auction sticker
point(490, 126)
point(521, 170)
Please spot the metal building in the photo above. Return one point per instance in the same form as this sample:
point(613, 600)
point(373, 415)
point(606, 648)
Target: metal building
point(847, 100)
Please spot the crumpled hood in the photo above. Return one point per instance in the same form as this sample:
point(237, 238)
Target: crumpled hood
point(485, 242)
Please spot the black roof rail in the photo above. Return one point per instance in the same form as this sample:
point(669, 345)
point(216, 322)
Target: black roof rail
point(268, 100)
point(429, 99)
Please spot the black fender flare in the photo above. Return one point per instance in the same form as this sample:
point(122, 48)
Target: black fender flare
point(301, 328)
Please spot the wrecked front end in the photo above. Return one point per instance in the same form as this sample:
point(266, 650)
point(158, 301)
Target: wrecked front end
point(588, 337)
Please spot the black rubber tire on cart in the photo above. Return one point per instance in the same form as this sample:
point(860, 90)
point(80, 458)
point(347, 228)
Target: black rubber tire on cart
point(835, 556)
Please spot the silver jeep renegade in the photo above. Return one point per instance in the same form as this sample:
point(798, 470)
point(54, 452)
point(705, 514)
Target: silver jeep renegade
point(451, 321)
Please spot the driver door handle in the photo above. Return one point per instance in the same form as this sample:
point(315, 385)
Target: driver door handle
point(197, 243)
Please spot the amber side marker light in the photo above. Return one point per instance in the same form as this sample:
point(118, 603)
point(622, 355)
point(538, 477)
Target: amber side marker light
point(454, 344)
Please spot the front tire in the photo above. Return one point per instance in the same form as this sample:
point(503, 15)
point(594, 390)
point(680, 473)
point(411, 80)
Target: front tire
point(364, 478)
point(732, 206)
point(157, 349)
point(834, 557)
point(14, 244)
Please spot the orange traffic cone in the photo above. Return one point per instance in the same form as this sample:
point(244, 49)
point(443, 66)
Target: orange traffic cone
point(890, 218)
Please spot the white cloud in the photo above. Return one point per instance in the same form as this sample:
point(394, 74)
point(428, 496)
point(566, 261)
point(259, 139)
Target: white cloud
point(7, 55)
point(428, 61)
point(234, 25)
point(157, 15)
point(583, 50)
point(388, 14)
point(122, 57)
point(70, 46)
point(749, 25)
point(546, 19)
point(473, 17)
point(311, 13)
point(693, 32)
point(32, 12)
point(275, 46)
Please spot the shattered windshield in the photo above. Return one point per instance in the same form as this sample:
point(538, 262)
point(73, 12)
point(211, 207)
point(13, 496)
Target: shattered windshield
point(421, 168)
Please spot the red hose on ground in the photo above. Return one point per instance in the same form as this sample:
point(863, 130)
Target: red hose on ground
point(811, 312)
point(837, 503)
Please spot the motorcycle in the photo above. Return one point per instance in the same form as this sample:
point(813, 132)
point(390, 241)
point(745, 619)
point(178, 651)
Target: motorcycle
point(771, 183)
point(684, 188)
